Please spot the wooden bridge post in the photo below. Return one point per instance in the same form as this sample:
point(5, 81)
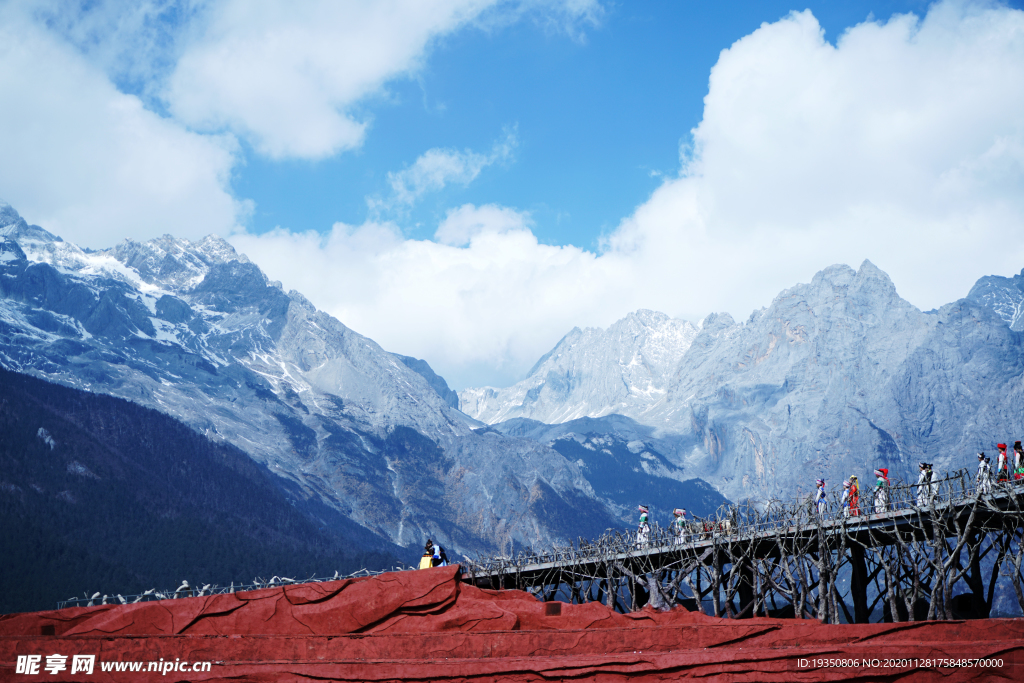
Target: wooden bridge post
point(611, 599)
point(716, 581)
point(859, 583)
point(974, 580)
point(746, 589)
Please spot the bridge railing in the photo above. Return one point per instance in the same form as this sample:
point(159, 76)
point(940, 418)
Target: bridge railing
point(751, 519)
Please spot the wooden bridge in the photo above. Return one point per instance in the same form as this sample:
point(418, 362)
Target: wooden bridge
point(932, 554)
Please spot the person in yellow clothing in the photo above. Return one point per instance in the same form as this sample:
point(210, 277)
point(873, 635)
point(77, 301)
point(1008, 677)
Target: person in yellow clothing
point(426, 562)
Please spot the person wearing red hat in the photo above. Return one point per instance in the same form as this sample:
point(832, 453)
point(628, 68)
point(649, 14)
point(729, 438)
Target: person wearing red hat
point(882, 490)
point(854, 496)
point(1002, 474)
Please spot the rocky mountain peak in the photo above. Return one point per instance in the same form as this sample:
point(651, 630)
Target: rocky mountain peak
point(868, 285)
point(715, 324)
point(645, 318)
point(175, 263)
point(1004, 296)
point(8, 216)
point(592, 372)
point(14, 226)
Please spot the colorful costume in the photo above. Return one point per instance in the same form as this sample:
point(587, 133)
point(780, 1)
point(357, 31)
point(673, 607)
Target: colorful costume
point(679, 524)
point(819, 498)
point(1002, 474)
point(428, 555)
point(643, 530)
point(882, 490)
point(844, 503)
point(854, 496)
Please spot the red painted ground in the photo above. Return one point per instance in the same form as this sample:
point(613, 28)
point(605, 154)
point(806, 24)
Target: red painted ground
point(426, 625)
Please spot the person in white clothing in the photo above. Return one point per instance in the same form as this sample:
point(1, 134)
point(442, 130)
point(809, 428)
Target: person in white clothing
point(819, 498)
point(844, 503)
point(924, 486)
point(882, 490)
point(984, 479)
point(643, 530)
point(679, 525)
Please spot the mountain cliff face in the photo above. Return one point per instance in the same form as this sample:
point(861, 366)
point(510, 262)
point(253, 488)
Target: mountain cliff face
point(196, 331)
point(593, 372)
point(836, 377)
point(1004, 296)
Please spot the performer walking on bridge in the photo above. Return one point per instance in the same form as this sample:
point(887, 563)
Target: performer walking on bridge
point(643, 530)
point(924, 486)
point(882, 490)
point(844, 503)
point(819, 498)
point(854, 496)
point(1002, 474)
point(679, 525)
point(984, 479)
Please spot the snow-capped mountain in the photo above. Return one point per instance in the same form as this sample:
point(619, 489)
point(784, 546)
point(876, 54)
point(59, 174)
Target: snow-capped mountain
point(195, 330)
point(836, 377)
point(593, 372)
point(1004, 295)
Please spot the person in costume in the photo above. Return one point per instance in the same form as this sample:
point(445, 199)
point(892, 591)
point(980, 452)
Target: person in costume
point(1018, 460)
point(984, 478)
point(854, 496)
point(1002, 474)
point(924, 485)
point(643, 529)
point(844, 502)
point(426, 562)
point(819, 498)
point(882, 490)
point(679, 524)
point(440, 558)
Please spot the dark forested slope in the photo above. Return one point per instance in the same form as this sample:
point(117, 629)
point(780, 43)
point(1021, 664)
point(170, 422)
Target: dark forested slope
point(97, 493)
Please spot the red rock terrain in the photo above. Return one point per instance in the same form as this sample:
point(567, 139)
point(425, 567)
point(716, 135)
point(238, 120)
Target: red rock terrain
point(427, 625)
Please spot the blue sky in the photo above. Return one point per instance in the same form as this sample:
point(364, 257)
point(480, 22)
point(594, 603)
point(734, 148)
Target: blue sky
point(599, 118)
point(466, 180)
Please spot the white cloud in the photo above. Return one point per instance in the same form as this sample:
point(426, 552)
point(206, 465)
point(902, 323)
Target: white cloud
point(902, 143)
point(467, 223)
point(438, 167)
point(464, 308)
point(286, 75)
point(92, 164)
point(96, 165)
